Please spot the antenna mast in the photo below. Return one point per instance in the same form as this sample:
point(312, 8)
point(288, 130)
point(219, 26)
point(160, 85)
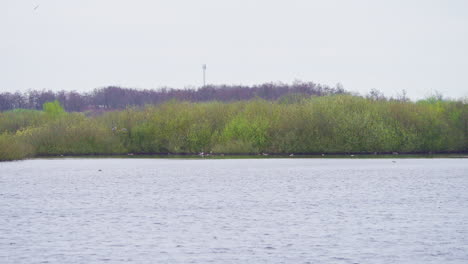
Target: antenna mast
point(204, 75)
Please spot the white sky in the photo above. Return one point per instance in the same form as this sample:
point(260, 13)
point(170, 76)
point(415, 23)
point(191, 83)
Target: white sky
point(417, 45)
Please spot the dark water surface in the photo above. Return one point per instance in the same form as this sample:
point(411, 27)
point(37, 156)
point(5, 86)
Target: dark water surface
point(234, 211)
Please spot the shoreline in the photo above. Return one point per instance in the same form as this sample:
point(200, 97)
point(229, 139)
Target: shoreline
point(439, 154)
point(310, 155)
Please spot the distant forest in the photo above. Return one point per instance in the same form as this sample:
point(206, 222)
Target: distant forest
point(113, 97)
point(300, 118)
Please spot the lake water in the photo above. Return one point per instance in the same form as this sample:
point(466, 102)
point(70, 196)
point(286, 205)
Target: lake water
point(234, 211)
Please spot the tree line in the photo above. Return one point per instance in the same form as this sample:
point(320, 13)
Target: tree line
point(113, 97)
point(338, 123)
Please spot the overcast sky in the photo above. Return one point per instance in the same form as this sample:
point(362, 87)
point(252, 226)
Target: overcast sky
point(417, 45)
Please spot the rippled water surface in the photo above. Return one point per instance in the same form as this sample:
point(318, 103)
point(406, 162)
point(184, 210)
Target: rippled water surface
point(234, 211)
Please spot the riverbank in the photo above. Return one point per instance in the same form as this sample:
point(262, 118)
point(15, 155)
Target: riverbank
point(265, 156)
point(254, 156)
point(329, 125)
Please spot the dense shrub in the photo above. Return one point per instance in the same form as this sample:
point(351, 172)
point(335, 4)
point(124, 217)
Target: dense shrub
point(12, 148)
point(331, 124)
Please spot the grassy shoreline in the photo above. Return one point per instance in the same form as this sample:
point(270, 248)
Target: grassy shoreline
point(329, 125)
point(407, 155)
point(262, 156)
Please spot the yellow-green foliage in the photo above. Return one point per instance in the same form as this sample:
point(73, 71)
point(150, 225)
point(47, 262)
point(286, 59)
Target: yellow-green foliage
point(341, 123)
point(13, 121)
point(72, 134)
point(53, 109)
point(11, 148)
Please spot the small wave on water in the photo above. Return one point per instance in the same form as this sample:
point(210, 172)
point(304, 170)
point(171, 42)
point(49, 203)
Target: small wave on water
point(234, 211)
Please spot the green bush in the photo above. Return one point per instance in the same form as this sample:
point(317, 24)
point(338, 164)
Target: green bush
point(341, 123)
point(11, 148)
